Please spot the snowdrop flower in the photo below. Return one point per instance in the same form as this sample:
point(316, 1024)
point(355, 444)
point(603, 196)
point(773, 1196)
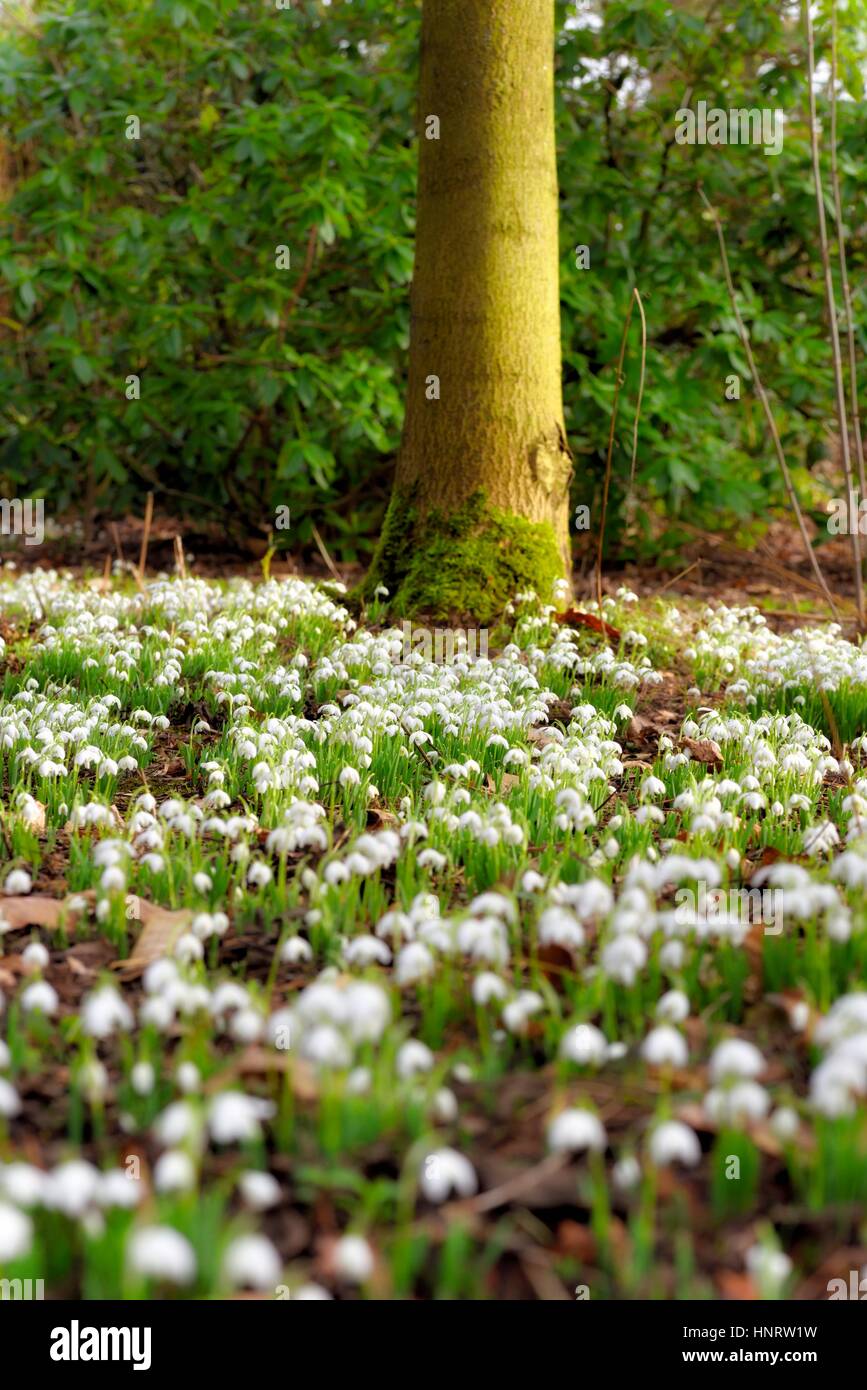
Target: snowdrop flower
point(770, 1268)
point(575, 1130)
point(785, 1123)
point(623, 957)
point(235, 1118)
point(162, 1253)
point(35, 956)
point(673, 1142)
point(414, 963)
point(626, 1173)
point(72, 1187)
point(23, 1184)
point(743, 1102)
point(10, 1103)
point(735, 1057)
point(17, 882)
point(445, 1171)
point(584, 1045)
point(519, 1011)
point(251, 1261)
point(259, 1191)
point(104, 1013)
point(367, 950)
point(117, 1188)
point(174, 1172)
point(311, 1293)
point(349, 776)
point(673, 1006)
point(353, 1259)
point(16, 1233)
point(259, 874)
point(665, 1047)
point(488, 988)
point(41, 998)
point(188, 1077)
point(413, 1058)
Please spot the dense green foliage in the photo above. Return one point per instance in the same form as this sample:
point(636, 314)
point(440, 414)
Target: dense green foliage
point(263, 128)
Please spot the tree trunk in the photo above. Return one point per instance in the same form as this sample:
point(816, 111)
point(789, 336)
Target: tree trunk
point(480, 502)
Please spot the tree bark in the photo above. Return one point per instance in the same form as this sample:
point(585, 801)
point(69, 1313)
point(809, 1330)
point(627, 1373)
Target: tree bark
point(484, 468)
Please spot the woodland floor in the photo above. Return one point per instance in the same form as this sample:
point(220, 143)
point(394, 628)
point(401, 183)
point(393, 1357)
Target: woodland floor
point(407, 938)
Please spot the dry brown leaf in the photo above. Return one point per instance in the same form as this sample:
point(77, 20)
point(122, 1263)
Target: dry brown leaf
point(704, 750)
point(732, 1284)
point(36, 910)
point(162, 929)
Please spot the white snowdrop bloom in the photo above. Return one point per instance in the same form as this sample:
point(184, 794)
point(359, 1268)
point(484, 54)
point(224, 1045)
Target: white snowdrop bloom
point(40, 997)
point(142, 1077)
point(259, 874)
point(295, 950)
point(17, 882)
point(158, 975)
point(202, 882)
point(335, 873)
point(574, 1131)
point(188, 949)
point(673, 1006)
point(820, 838)
point(674, 1142)
point(105, 1012)
point(176, 1124)
point(623, 957)
point(532, 882)
point(584, 1044)
point(251, 1261)
point(35, 956)
point(311, 1293)
point(518, 1012)
point(559, 927)
point(349, 776)
point(113, 880)
point(743, 1102)
point(235, 1118)
point(366, 950)
point(23, 1184)
point(10, 1102)
point(247, 1026)
point(672, 955)
point(259, 1190)
point(162, 1253)
point(174, 1171)
point(665, 1047)
point(494, 905)
point(770, 1268)
point(353, 1259)
point(5, 1056)
point(413, 1058)
point(16, 1233)
point(488, 988)
point(735, 1057)
point(652, 788)
point(785, 1123)
point(414, 962)
point(325, 1046)
point(188, 1077)
point(118, 1188)
point(445, 1106)
point(626, 1173)
point(445, 1171)
point(432, 859)
point(72, 1187)
point(359, 1081)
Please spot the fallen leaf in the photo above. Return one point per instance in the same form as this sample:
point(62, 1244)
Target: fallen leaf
point(572, 618)
point(733, 1284)
point(704, 750)
point(35, 910)
point(162, 929)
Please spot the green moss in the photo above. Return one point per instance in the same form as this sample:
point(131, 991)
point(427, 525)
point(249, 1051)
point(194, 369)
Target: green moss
point(468, 563)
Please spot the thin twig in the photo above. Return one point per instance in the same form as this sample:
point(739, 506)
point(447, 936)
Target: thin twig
point(844, 277)
point(326, 557)
point(765, 403)
point(635, 296)
point(839, 389)
point(143, 553)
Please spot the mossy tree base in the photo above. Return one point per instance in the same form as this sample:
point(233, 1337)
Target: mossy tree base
point(468, 564)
